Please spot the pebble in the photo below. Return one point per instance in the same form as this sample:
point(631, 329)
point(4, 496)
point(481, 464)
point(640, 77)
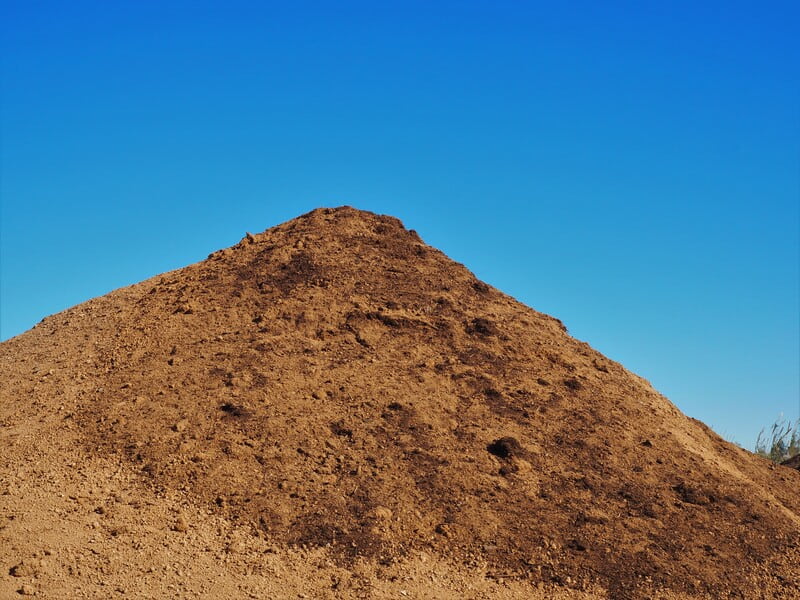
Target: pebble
point(382, 513)
point(180, 525)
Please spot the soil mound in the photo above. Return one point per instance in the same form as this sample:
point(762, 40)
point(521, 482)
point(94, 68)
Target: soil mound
point(335, 385)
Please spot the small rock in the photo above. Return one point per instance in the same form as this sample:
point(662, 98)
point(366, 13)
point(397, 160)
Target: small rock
point(26, 590)
point(181, 425)
point(382, 513)
point(186, 307)
point(180, 525)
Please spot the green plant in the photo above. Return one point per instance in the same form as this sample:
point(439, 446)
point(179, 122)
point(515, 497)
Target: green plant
point(782, 441)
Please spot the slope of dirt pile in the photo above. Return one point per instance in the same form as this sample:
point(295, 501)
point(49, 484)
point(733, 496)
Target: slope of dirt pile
point(793, 462)
point(334, 387)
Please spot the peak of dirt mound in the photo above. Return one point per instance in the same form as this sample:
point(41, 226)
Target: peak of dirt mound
point(335, 385)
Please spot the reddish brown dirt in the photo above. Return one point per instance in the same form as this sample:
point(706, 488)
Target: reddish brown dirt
point(333, 408)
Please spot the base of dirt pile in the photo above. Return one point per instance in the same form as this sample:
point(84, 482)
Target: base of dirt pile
point(333, 409)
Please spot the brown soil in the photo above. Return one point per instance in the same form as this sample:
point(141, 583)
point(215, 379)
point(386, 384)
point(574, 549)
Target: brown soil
point(793, 462)
point(333, 408)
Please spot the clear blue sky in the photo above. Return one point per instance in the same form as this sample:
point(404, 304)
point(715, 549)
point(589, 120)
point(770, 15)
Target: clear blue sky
point(631, 168)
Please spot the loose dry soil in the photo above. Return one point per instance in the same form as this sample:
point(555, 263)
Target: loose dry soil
point(334, 409)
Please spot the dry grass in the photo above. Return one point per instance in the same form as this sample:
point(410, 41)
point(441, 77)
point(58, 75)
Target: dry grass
point(781, 443)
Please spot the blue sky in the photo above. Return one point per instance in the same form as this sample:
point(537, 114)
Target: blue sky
point(631, 168)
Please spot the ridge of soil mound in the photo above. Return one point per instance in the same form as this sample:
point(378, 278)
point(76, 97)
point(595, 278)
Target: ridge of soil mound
point(335, 385)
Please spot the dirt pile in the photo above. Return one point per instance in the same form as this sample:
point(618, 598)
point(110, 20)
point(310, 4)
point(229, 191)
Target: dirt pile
point(335, 388)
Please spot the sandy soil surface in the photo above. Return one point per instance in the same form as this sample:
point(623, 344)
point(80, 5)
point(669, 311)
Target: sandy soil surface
point(334, 409)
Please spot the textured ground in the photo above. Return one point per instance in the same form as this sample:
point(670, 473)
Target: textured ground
point(334, 409)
